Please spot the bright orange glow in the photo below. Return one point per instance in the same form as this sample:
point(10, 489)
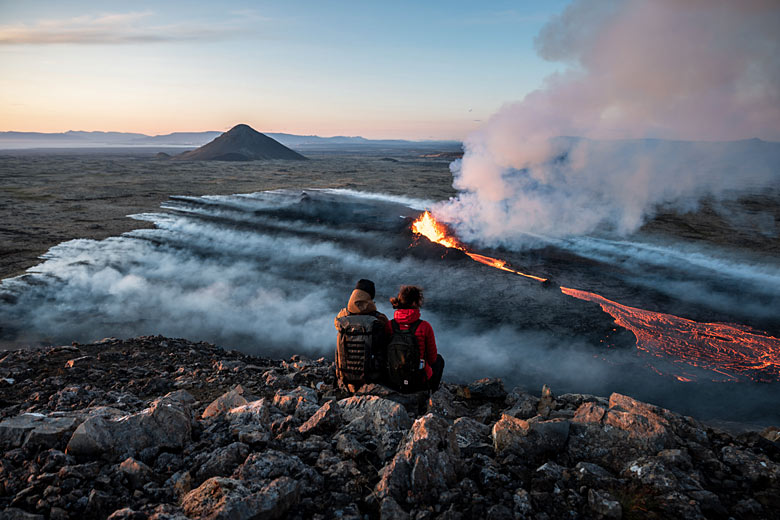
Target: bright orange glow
point(428, 227)
point(732, 352)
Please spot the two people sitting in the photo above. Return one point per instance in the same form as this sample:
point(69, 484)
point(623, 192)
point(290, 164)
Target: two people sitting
point(400, 353)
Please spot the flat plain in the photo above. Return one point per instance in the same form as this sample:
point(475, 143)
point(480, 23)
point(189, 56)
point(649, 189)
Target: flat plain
point(51, 196)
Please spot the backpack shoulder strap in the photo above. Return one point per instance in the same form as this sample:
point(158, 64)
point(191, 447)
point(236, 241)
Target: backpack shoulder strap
point(413, 326)
point(396, 326)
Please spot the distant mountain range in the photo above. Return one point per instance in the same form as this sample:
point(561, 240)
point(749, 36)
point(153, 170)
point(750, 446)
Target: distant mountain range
point(80, 139)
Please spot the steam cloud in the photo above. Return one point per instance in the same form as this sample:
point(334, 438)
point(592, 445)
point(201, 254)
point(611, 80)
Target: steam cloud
point(634, 71)
point(267, 272)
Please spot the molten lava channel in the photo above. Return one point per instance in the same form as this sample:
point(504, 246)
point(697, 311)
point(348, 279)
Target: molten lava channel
point(732, 352)
point(436, 232)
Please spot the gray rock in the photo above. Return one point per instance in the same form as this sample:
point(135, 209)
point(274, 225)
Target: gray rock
point(499, 512)
point(390, 510)
point(374, 414)
point(521, 501)
point(34, 430)
point(222, 461)
point(443, 403)
point(127, 513)
point(301, 402)
point(349, 446)
point(529, 439)
point(271, 464)
point(13, 513)
point(250, 423)
point(327, 418)
point(472, 437)
point(549, 472)
point(487, 388)
point(180, 482)
point(592, 475)
point(604, 505)
point(223, 498)
point(224, 403)
point(425, 465)
point(651, 472)
point(137, 472)
point(547, 402)
point(522, 405)
point(612, 436)
point(165, 424)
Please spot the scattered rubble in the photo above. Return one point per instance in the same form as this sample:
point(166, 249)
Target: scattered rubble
point(164, 428)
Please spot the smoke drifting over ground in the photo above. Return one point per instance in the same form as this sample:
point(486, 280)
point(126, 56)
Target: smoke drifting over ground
point(633, 71)
point(267, 272)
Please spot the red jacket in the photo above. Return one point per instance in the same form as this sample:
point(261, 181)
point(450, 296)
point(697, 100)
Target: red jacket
point(424, 335)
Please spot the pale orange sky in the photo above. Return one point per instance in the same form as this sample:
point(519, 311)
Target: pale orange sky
point(405, 71)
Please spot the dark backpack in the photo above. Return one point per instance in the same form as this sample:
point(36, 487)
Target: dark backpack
point(403, 358)
point(358, 351)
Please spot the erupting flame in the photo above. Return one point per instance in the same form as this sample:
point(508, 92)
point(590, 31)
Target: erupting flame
point(735, 352)
point(428, 227)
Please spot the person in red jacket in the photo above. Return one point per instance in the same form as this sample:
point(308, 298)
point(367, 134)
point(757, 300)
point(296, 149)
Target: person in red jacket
point(407, 311)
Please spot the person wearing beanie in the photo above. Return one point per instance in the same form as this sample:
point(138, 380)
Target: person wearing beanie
point(361, 301)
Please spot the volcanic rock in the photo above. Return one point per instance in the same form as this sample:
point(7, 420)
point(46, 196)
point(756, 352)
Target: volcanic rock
point(167, 423)
point(426, 464)
point(241, 143)
point(300, 447)
point(225, 402)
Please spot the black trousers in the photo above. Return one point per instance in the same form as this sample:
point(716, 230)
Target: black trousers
point(438, 369)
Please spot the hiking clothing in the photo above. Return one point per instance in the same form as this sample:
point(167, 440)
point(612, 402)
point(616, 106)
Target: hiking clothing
point(438, 369)
point(360, 302)
point(425, 338)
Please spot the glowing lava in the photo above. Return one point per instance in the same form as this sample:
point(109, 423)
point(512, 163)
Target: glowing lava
point(734, 352)
point(428, 227)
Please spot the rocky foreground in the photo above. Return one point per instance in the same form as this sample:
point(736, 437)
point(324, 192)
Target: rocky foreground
point(164, 428)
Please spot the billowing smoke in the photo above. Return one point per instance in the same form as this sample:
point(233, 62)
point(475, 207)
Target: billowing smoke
point(266, 273)
point(695, 74)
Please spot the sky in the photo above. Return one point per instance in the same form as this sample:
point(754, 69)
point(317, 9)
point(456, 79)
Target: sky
point(415, 70)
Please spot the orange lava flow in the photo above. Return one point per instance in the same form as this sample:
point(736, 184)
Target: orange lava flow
point(428, 227)
point(733, 352)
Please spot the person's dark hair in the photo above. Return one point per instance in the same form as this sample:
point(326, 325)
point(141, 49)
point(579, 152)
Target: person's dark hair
point(409, 297)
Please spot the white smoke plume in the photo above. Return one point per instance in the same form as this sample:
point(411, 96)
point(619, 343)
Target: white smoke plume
point(698, 72)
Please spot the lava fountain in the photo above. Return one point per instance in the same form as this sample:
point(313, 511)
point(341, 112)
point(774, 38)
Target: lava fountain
point(434, 231)
point(731, 352)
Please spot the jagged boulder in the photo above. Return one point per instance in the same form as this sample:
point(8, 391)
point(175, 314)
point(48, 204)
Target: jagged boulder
point(229, 499)
point(250, 422)
point(530, 440)
point(472, 436)
point(425, 465)
point(624, 431)
point(222, 461)
point(327, 418)
point(374, 414)
point(167, 423)
point(227, 401)
point(35, 430)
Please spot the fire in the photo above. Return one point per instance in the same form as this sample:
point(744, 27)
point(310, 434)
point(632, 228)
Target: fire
point(733, 352)
point(428, 227)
